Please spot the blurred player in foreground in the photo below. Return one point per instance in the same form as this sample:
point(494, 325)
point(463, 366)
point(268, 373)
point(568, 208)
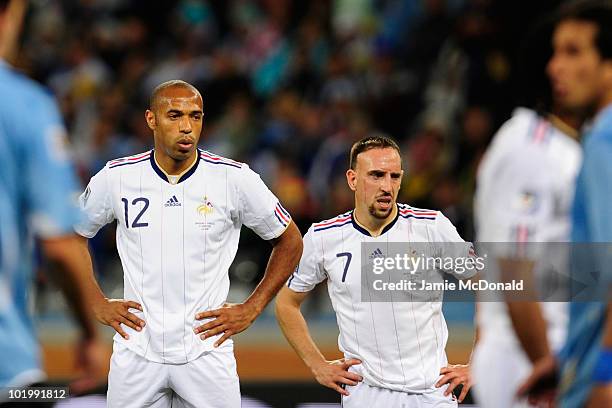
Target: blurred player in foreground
point(525, 189)
point(179, 212)
point(37, 189)
point(581, 75)
point(394, 351)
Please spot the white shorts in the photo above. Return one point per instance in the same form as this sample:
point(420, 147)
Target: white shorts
point(364, 395)
point(499, 369)
point(210, 381)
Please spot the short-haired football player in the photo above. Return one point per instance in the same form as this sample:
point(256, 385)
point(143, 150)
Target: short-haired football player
point(394, 351)
point(179, 211)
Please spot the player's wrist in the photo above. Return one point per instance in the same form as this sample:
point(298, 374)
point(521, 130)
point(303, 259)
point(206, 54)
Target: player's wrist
point(602, 374)
point(98, 304)
point(314, 363)
point(255, 307)
point(99, 300)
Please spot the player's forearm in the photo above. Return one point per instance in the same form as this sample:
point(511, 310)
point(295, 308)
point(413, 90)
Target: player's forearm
point(295, 330)
point(93, 289)
point(73, 278)
point(524, 311)
point(530, 328)
point(283, 260)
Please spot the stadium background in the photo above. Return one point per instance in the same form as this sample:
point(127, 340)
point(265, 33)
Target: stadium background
point(287, 87)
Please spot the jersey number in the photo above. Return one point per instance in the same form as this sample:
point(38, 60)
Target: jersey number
point(349, 256)
point(135, 223)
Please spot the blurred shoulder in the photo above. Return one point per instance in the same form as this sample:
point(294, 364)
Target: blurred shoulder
point(21, 92)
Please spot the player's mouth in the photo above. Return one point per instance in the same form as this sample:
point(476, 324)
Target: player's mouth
point(185, 145)
point(384, 202)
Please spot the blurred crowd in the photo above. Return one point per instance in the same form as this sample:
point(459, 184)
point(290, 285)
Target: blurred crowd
point(288, 86)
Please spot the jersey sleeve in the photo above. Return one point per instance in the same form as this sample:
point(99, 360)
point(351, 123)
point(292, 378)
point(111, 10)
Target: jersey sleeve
point(452, 245)
point(309, 271)
point(517, 201)
point(260, 210)
point(49, 179)
point(95, 205)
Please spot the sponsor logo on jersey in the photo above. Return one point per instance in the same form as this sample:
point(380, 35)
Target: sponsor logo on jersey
point(172, 202)
point(376, 254)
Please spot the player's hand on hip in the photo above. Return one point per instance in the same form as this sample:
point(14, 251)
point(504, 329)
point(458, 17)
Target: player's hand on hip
point(454, 375)
point(113, 312)
point(601, 396)
point(334, 373)
point(230, 319)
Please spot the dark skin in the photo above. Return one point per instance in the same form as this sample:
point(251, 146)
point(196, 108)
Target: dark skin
point(176, 119)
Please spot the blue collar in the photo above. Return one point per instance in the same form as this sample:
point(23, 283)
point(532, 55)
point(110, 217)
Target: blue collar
point(184, 177)
point(366, 232)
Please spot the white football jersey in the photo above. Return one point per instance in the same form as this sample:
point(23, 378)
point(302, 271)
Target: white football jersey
point(401, 344)
point(525, 189)
point(177, 240)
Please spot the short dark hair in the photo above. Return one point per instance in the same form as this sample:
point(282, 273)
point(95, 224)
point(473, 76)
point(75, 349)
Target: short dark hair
point(174, 83)
point(369, 143)
point(3, 4)
point(598, 12)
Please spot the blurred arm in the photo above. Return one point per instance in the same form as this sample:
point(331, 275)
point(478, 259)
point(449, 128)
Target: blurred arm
point(526, 316)
point(75, 277)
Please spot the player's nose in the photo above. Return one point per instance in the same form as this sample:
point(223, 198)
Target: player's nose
point(185, 125)
point(386, 184)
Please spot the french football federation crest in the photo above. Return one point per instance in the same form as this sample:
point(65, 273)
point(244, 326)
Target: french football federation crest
point(206, 208)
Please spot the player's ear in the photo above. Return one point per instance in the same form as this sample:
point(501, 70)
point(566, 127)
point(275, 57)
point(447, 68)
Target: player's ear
point(351, 179)
point(150, 118)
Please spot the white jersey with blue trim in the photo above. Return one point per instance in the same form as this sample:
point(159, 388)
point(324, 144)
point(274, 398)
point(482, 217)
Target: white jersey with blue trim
point(525, 187)
point(176, 241)
point(401, 344)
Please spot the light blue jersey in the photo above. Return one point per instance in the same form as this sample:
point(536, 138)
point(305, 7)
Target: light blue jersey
point(37, 190)
point(592, 222)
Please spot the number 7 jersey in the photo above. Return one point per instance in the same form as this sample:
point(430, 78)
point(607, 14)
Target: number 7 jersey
point(176, 241)
point(401, 343)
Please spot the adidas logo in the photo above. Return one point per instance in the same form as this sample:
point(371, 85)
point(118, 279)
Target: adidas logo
point(172, 202)
point(376, 254)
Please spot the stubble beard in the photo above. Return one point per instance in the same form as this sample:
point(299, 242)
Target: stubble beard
point(380, 214)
